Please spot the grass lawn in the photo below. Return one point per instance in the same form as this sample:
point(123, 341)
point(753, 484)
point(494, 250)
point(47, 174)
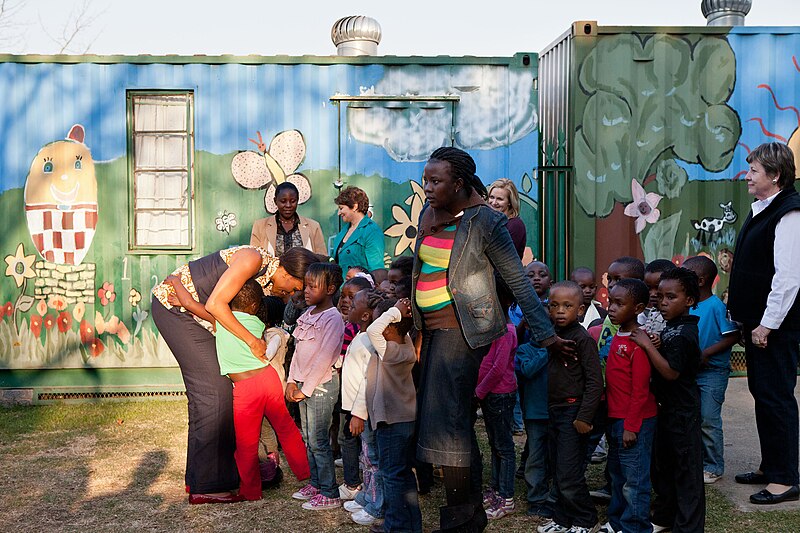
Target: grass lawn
point(119, 467)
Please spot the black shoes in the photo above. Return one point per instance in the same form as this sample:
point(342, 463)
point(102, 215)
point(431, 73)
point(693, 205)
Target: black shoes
point(765, 497)
point(751, 478)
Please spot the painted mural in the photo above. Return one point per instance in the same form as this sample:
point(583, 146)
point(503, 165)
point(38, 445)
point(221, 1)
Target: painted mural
point(75, 296)
point(661, 140)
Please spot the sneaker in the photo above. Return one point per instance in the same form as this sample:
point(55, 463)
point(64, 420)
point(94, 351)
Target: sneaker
point(321, 503)
point(363, 518)
point(661, 529)
point(352, 506)
point(490, 496)
point(518, 432)
point(500, 508)
point(346, 493)
point(338, 462)
point(540, 511)
point(306, 493)
point(552, 527)
point(709, 477)
point(602, 495)
point(580, 529)
point(606, 528)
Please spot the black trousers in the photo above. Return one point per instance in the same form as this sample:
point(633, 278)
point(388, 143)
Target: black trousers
point(677, 473)
point(771, 378)
point(567, 449)
point(210, 466)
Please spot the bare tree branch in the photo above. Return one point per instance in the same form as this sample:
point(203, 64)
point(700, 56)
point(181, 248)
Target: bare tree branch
point(78, 24)
point(11, 28)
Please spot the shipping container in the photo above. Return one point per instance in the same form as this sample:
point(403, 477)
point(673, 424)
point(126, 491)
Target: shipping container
point(114, 170)
point(645, 133)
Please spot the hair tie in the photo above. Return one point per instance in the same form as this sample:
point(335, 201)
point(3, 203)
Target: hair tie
point(367, 277)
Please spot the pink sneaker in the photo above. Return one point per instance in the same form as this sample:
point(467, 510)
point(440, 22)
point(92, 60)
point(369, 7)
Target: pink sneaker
point(306, 493)
point(320, 503)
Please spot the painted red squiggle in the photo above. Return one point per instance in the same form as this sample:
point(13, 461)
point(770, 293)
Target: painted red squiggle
point(764, 130)
point(775, 100)
point(739, 174)
point(794, 60)
point(745, 147)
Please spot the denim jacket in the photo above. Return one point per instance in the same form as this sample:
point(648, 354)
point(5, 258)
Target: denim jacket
point(483, 244)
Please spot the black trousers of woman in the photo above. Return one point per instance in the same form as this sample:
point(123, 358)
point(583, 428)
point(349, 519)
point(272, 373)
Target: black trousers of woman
point(210, 466)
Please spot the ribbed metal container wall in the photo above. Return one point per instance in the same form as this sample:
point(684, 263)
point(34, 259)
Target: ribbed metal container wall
point(657, 124)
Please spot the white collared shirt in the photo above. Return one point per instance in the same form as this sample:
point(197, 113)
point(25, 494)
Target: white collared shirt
point(786, 281)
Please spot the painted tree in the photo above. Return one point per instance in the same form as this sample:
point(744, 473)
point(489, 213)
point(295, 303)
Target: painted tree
point(652, 99)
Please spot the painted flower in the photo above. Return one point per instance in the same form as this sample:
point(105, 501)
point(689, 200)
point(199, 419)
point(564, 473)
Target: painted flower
point(7, 309)
point(49, 321)
point(99, 323)
point(36, 325)
point(106, 293)
point(134, 297)
point(406, 227)
point(225, 221)
point(20, 266)
point(112, 325)
point(86, 332)
point(139, 316)
point(64, 321)
point(57, 302)
point(96, 347)
point(678, 259)
point(670, 178)
point(123, 333)
point(79, 311)
point(643, 207)
point(41, 307)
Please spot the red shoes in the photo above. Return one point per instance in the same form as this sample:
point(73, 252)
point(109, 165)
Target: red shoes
point(197, 499)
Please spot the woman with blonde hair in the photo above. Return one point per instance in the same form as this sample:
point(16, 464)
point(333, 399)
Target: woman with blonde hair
point(504, 197)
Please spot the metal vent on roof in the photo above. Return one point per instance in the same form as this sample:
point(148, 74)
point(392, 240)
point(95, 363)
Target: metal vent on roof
point(356, 36)
point(109, 395)
point(725, 12)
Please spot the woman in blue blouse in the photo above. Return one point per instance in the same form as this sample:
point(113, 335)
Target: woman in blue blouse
point(360, 242)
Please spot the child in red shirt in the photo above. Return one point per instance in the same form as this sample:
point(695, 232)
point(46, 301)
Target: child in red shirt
point(631, 413)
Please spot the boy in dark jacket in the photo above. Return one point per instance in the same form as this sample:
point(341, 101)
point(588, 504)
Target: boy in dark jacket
point(574, 388)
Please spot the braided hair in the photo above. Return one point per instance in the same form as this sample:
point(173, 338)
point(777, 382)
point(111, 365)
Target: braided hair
point(461, 166)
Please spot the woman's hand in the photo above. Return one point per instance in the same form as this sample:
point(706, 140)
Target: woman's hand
point(172, 299)
point(356, 426)
point(259, 347)
point(759, 336)
point(404, 306)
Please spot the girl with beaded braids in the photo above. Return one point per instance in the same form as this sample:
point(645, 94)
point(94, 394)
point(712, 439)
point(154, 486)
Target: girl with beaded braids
point(461, 242)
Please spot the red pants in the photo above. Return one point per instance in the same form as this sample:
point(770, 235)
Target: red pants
point(254, 398)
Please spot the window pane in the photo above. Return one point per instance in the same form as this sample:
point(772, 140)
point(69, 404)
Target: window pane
point(165, 190)
point(160, 113)
point(162, 228)
point(160, 151)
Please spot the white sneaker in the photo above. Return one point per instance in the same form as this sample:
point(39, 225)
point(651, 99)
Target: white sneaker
point(363, 518)
point(352, 506)
point(606, 528)
point(579, 529)
point(346, 493)
point(660, 529)
point(338, 462)
point(709, 478)
point(552, 527)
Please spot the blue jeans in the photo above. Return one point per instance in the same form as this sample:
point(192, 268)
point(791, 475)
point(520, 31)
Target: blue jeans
point(537, 467)
point(519, 424)
point(713, 383)
point(629, 509)
point(498, 415)
point(351, 448)
point(316, 413)
point(395, 455)
point(370, 497)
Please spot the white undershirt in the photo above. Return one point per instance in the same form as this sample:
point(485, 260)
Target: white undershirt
point(786, 281)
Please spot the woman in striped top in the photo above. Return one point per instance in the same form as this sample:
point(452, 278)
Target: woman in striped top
point(460, 244)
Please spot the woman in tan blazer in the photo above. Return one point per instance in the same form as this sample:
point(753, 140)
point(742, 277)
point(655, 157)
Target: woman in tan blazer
point(287, 229)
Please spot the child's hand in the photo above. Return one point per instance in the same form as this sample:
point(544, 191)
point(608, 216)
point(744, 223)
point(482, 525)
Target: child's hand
point(298, 396)
point(582, 427)
point(356, 426)
point(640, 337)
point(291, 388)
point(628, 438)
point(258, 347)
point(404, 306)
point(655, 338)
